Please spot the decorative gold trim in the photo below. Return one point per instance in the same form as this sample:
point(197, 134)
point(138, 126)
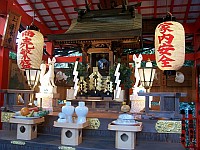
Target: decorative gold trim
point(18, 142)
point(94, 123)
point(5, 116)
point(66, 148)
point(166, 126)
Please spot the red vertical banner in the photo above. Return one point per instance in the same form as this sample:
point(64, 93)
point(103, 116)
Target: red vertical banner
point(191, 129)
point(183, 133)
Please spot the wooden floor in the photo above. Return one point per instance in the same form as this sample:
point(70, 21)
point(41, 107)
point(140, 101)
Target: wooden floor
point(97, 114)
point(52, 142)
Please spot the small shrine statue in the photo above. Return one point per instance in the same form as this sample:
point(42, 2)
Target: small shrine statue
point(137, 61)
point(137, 102)
point(47, 78)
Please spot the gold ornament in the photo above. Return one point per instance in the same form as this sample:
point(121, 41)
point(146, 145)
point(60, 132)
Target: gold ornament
point(168, 126)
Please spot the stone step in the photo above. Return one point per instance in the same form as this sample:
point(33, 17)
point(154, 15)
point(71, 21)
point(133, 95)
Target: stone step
point(99, 128)
point(52, 142)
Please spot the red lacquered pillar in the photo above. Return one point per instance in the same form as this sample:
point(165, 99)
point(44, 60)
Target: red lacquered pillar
point(4, 66)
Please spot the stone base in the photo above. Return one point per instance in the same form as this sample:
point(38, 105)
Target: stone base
point(125, 140)
point(70, 94)
point(26, 132)
point(125, 137)
point(121, 96)
point(71, 133)
point(26, 128)
point(47, 100)
point(137, 106)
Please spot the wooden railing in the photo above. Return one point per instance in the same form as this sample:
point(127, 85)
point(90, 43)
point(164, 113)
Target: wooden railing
point(11, 99)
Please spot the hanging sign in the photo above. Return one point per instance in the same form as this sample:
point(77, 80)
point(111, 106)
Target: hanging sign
point(170, 45)
point(30, 49)
point(11, 30)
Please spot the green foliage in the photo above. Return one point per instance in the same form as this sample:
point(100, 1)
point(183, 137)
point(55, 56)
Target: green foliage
point(82, 71)
point(125, 75)
point(12, 55)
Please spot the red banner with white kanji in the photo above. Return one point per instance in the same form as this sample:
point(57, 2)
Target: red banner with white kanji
point(170, 45)
point(30, 49)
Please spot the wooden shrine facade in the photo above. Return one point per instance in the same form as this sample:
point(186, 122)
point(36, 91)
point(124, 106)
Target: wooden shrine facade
point(105, 32)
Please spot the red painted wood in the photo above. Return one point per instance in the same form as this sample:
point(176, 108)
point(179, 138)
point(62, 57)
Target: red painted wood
point(74, 3)
point(172, 6)
point(4, 61)
point(51, 14)
point(139, 8)
point(189, 28)
point(63, 59)
point(155, 9)
point(4, 69)
point(64, 12)
point(91, 4)
point(197, 102)
point(27, 20)
point(2, 24)
point(36, 11)
point(187, 10)
point(49, 48)
point(3, 7)
point(197, 25)
point(58, 31)
point(102, 3)
point(68, 59)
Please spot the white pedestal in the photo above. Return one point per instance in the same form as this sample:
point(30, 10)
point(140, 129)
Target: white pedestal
point(71, 133)
point(137, 106)
point(70, 94)
point(47, 100)
point(121, 96)
point(125, 137)
point(26, 128)
point(48, 89)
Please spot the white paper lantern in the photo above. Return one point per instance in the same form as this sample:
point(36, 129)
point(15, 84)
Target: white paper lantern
point(170, 45)
point(30, 49)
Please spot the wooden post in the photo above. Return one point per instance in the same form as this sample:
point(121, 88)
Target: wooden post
point(49, 48)
point(84, 54)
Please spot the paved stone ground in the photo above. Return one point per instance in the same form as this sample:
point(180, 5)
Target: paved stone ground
point(51, 142)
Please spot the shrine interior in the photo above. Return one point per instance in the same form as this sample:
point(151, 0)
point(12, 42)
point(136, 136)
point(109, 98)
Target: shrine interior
point(100, 74)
